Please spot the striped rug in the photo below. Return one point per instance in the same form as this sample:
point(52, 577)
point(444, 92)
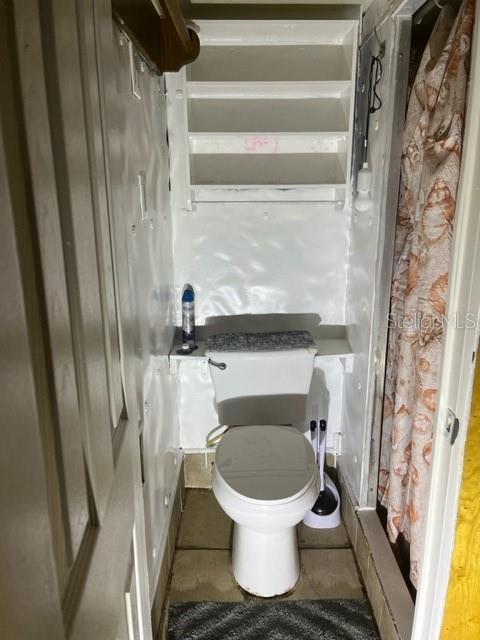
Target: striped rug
point(272, 620)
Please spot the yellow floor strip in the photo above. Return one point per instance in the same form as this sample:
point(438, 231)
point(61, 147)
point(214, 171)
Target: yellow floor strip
point(462, 610)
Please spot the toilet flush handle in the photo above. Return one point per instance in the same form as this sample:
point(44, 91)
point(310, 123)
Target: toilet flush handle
point(220, 365)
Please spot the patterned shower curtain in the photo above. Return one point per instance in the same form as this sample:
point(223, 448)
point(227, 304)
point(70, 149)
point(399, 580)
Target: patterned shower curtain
point(432, 146)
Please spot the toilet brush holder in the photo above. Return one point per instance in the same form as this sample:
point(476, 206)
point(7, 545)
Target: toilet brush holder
point(325, 513)
point(328, 519)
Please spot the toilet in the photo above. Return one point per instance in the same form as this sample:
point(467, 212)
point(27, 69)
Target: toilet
point(265, 476)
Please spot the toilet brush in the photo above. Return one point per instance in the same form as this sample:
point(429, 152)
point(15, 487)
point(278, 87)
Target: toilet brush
point(325, 513)
point(326, 502)
point(313, 438)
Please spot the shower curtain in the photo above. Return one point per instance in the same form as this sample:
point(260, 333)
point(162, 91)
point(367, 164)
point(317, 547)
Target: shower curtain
point(432, 146)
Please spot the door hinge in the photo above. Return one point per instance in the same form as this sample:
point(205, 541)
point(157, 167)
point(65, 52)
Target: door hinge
point(452, 426)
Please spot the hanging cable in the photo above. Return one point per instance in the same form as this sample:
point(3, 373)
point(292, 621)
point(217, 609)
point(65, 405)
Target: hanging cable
point(374, 99)
point(363, 200)
point(376, 72)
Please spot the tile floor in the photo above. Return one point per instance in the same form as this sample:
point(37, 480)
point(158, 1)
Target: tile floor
point(201, 568)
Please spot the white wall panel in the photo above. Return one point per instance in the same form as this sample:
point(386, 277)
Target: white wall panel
point(325, 400)
point(197, 414)
point(369, 276)
point(257, 258)
point(161, 455)
point(142, 150)
point(361, 285)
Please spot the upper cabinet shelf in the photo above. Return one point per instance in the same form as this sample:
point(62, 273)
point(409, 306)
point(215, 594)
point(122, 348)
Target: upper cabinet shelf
point(269, 115)
point(265, 112)
point(268, 63)
point(222, 33)
point(270, 90)
point(268, 169)
point(253, 144)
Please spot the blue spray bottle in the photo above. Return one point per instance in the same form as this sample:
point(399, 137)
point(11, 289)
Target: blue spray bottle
point(188, 315)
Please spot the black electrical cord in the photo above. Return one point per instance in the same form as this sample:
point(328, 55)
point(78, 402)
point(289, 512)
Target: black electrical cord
point(376, 71)
point(374, 100)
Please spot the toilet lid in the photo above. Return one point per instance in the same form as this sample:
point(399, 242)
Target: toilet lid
point(265, 462)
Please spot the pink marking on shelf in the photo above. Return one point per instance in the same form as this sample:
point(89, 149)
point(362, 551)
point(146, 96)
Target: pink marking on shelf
point(259, 144)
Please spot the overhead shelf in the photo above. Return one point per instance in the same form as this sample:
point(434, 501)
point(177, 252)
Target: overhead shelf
point(270, 63)
point(276, 32)
point(268, 115)
point(267, 169)
point(270, 90)
point(266, 111)
point(268, 193)
point(275, 144)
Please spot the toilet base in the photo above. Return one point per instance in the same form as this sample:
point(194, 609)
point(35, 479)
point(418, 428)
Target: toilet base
point(265, 564)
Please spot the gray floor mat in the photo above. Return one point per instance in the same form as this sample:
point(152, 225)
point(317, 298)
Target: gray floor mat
point(272, 620)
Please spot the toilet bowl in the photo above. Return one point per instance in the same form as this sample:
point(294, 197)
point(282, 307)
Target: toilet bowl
point(266, 480)
point(264, 476)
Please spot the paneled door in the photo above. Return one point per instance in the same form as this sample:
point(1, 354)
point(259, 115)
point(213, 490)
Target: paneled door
point(71, 542)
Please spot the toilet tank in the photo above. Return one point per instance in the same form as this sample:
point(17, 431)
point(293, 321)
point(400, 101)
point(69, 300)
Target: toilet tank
point(261, 386)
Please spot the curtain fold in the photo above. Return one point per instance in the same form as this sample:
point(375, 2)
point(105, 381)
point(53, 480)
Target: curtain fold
point(431, 153)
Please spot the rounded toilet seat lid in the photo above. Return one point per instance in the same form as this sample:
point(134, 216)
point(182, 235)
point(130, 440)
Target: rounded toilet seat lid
point(265, 462)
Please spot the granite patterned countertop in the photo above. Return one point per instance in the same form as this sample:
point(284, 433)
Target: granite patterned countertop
point(260, 341)
point(330, 341)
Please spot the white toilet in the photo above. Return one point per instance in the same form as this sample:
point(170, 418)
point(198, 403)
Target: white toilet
point(265, 477)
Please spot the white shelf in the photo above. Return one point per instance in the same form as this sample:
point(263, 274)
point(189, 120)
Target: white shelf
point(262, 143)
point(327, 115)
point(267, 169)
point(326, 348)
point(269, 193)
point(266, 112)
point(270, 64)
point(269, 90)
point(275, 32)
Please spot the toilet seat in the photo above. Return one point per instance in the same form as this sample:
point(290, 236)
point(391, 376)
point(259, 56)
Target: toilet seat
point(266, 463)
point(266, 480)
